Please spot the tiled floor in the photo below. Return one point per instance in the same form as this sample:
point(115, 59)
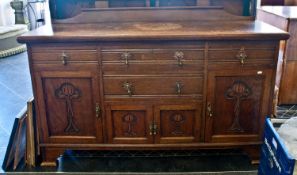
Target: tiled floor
point(286, 111)
point(15, 90)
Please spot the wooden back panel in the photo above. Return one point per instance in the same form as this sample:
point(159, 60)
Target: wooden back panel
point(152, 15)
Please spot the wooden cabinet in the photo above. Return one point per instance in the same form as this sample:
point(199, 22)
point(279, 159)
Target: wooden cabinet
point(139, 124)
point(285, 18)
point(70, 107)
point(68, 98)
point(237, 100)
point(222, 102)
point(129, 124)
point(178, 123)
point(105, 81)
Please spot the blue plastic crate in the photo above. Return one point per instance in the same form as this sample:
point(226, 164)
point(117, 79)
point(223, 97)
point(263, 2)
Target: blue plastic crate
point(275, 159)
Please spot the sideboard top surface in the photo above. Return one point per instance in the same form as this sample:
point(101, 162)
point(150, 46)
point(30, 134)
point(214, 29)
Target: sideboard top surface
point(154, 24)
point(203, 30)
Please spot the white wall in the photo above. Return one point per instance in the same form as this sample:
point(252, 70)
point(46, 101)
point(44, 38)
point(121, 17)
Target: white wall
point(6, 13)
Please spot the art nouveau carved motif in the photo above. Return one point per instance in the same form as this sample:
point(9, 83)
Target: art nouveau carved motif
point(68, 92)
point(129, 119)
point(238, 92)
point(177, 120)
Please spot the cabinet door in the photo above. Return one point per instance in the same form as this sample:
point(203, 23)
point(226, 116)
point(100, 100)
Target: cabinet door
point(129, 124)
point(69, 106)
point(237, 102)
point(178, 123)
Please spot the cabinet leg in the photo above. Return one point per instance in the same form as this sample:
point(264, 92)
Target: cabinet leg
point(49, 156)
point(253, 152)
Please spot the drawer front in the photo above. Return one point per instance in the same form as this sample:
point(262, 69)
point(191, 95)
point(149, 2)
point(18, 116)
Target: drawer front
point(246, 44)
point(127, 55)
point(71, 66)
point(156, 85)
point(63, 56)
point(178, 54)
point(150, 67)
point(242, 53)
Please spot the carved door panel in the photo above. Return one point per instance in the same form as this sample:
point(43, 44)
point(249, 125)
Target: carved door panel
point(178, 123)
point(237, 102)
point(69, 105)
point(129, 124)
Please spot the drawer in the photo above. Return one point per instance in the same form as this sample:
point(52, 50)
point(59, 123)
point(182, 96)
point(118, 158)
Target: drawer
point(72, 66)
point(127, 55)
point(151, 67)
point(242, 52)
point(153, 85)
point(64, 56)
point(178, 54)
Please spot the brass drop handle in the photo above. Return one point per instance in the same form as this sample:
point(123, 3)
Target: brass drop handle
point(178, 55)
point(241, 55)
point(209, 109)
point(128, 87)
point(126, 56)
point(153, 128)
point(64, 58)
point(98, 110)
point(178, 88)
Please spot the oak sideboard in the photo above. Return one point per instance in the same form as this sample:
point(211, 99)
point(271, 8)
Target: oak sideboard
point(152, 79)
